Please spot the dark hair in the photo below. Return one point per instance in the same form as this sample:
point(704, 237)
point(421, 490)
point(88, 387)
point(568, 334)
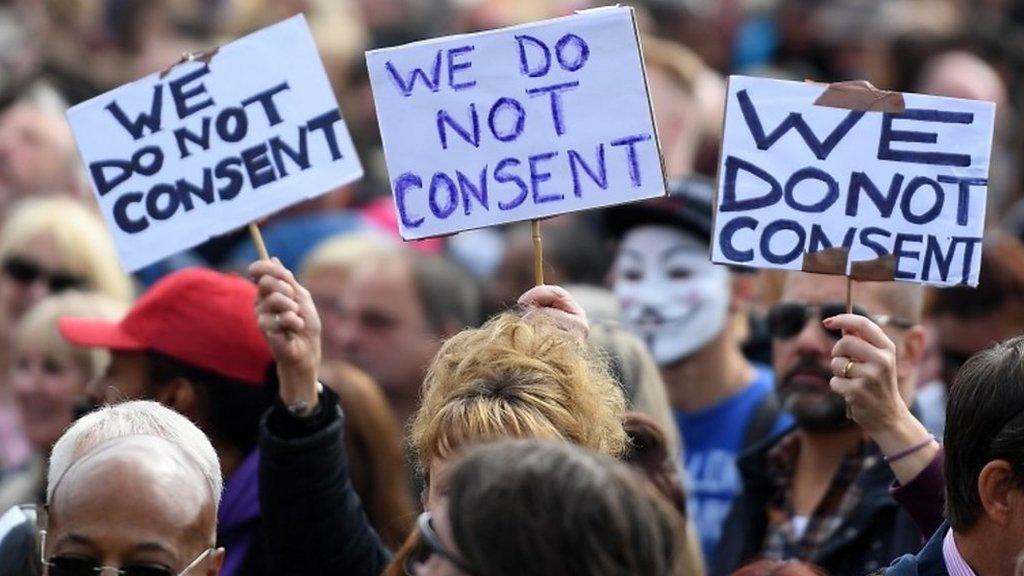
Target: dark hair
point(447, 292)
point(648, 454)
point(233, 408)
point(984, 422)
point(1000, 282)
point(547, 508)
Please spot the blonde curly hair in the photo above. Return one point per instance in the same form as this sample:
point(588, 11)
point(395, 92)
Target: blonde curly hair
point(517, 377)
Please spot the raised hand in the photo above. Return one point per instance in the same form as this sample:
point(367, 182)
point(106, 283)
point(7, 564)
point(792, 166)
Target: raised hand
point(557, 304)
point(289, 321)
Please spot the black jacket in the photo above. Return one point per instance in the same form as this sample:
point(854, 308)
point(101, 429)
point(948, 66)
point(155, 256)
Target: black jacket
point(313, 520)
point(928, 562)
point(874, 533)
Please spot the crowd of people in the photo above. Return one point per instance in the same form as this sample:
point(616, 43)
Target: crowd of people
point(361, 406)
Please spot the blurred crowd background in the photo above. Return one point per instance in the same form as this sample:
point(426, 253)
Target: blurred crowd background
point(57, 53)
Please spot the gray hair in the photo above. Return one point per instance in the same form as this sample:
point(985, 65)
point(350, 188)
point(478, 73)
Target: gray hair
point(135, 418)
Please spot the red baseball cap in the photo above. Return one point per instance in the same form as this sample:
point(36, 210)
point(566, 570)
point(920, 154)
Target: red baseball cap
point(197, 316)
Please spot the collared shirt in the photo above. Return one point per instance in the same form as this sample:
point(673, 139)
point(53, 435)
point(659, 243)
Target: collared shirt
point(955, 563)
point(783, 540)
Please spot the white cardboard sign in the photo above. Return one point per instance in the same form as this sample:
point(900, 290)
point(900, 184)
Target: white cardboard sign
point(517, 123)
point(796, 177)
point(212, 144)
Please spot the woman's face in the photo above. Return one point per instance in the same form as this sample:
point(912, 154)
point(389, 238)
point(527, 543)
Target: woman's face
point(437, 482)
point(437, 564)
point(30, 274)
point(46, 388)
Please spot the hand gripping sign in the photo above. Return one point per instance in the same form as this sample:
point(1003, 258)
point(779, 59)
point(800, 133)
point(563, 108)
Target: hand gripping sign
point(516, 124)
point(214, 143)
point(830, 178)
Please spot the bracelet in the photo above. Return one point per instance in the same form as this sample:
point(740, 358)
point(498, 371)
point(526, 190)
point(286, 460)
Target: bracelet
point(904, 453)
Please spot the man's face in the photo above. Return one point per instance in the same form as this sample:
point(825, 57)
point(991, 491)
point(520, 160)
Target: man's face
point(36, 153)
point(326, 286)
point(136, 501)
point(671, 295)
point(961, 338)
point(384, 330)
point(803, 361)
point(126, 378)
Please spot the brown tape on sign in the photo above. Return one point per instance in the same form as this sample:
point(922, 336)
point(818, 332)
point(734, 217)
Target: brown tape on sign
point(833, 261)
point(882, 269)
point(827, 261)
point(203, 57)
point(861, 95)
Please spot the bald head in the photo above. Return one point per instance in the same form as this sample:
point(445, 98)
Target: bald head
point(133, 499)
point(962, 75)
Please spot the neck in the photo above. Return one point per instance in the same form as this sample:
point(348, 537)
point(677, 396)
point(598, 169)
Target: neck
point(983, 547)
point(709, 376)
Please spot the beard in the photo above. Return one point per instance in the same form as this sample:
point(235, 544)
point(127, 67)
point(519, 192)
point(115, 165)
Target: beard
point(804, 392)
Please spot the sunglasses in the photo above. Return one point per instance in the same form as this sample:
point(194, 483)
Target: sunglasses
point(787, 319)
point(82, 566)
point(27, 272)
point(430, 544)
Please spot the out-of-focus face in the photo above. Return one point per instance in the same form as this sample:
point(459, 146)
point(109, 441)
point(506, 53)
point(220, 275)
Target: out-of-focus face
point(961, 338)
point(126, 378)
point(28, 274)
point(46, 389)
point(36, 153)
point(671, 294)
point(437, 483)
point(135, 501)
point(327, 285)
point(803, 361)
point(384, 329)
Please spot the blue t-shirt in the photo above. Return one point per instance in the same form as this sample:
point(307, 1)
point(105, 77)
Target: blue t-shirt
point(713, 438)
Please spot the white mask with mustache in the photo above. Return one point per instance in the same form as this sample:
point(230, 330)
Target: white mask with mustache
point(671, 294)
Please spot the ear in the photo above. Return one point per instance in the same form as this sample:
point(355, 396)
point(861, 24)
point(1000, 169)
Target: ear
point(999, 492)
point(181, 395)
point(215, 563)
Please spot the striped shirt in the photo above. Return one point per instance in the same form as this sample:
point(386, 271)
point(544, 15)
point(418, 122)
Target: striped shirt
point(955, 563)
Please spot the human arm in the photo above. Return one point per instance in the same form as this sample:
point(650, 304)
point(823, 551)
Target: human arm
point(313, 520)
point(870, 388)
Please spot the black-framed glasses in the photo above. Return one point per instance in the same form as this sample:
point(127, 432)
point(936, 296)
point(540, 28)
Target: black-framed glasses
point(787, 319)
point(25, 271)
point(430, 544)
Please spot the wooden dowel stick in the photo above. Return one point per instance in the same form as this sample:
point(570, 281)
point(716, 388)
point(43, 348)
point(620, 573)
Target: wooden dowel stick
point(257, 239)
point(538, 254)
point(849, 295)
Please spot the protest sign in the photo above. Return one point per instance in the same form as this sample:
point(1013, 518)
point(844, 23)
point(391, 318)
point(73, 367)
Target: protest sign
point(214, 143)
point(516, 124)
point(804, 169)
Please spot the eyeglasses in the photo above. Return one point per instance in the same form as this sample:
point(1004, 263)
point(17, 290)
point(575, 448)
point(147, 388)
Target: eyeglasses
point(787, 319)
point(82, 566)
point(428, 545)
point(25, 271)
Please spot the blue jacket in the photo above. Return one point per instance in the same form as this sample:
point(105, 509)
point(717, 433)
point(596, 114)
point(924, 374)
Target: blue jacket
point(928, 562)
